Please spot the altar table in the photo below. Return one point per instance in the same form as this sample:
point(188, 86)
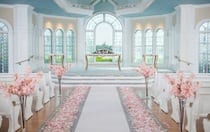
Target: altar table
point(103, 55)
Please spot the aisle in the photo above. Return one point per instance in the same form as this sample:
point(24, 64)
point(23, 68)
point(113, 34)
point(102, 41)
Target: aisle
point(102, 112)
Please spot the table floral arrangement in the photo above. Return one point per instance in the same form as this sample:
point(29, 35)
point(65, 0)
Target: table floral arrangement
point(23, 86)
point(182, 87)
point(59, 71)
point(147, 71)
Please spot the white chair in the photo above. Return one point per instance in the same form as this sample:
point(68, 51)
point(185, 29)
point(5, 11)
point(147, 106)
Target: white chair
point(50, 84)
point(45, 89)
point(0, 121)
point(38, 97)
point(189, 107)
point(10, 111)
point(200, 109)
point(164, 94)
point(175, 109)
point(28, 111)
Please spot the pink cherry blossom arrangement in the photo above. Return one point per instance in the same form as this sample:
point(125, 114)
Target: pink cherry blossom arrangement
point(146, 70)
point(23, 85)
point(182, 86)
point(66, 115)
point(59, 70)
point(140, 117)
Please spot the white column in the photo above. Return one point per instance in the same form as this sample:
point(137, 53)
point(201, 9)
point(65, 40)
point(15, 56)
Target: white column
point(169, 42)
point(127, 43)
point(39, 57)
point(22, 35)
point(80, 49)
point(185, 36)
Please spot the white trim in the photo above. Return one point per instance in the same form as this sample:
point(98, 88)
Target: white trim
point(201, 6)
point(197, 26)
point(6, 5)
point(154, 16)
point(10, 46)
point(59, 17)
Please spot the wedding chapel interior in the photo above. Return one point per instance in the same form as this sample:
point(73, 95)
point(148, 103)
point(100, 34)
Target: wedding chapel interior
point(104, 65)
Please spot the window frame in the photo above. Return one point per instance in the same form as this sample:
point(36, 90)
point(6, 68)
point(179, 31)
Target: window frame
point(90, 41)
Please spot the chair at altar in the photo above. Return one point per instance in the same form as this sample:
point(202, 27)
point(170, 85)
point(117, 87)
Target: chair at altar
point(56, 59)
point(150, 59)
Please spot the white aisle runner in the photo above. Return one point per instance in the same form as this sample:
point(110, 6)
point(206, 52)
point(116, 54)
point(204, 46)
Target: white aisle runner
point(102, 112)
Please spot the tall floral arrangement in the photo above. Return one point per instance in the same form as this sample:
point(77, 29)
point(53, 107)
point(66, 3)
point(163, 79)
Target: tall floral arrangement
point(183, 87)
point(146, 71)
point(23, 86)
point(59, 71)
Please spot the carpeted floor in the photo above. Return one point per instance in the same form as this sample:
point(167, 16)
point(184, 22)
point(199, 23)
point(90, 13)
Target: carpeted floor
point(102, 112)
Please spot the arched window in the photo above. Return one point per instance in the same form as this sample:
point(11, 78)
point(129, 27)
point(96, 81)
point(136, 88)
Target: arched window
point(148, 46)
point(3, 48)
point(59, 45)
point(204, 51)
point(137, 49)
point(104, 31)
point(160, 45)
point(70, 46)
point(47, 45)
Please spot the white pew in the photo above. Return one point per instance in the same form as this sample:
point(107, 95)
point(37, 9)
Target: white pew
point(38, 95)
point(10, 111)
point(200, 109)
point(9, 78)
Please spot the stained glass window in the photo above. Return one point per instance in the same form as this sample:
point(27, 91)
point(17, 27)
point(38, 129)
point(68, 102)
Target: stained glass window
point(137, 48)
point(204, 50)
point(47, 45)
point(59, 44)
point(3, 48)
point(70, 46)
point(160, 45)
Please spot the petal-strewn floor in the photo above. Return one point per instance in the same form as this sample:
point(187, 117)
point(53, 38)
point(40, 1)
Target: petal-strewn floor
point(102, 112)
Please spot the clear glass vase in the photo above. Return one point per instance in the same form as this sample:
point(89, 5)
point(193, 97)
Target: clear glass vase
point(22, 99)
point(146, 83)
point(182, 106)
point(59, 85)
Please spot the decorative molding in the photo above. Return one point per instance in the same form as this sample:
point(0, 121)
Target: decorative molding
point(73, 8)
point(125, 9)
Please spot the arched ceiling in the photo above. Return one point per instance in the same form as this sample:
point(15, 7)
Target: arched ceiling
point(126, 8)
